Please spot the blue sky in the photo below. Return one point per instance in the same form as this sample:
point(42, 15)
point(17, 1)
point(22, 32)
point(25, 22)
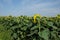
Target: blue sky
point(29, 7)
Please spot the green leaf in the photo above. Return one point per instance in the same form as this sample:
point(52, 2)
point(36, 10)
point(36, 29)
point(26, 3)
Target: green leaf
point(50, 23)
point(6, 35)
point(44, 34)
point(54, 27)
point(15, 35)
point(54, 35)
point(34, 39)
point(2, 28)
point(35, 27)
point(24, 28)
point(32, 33)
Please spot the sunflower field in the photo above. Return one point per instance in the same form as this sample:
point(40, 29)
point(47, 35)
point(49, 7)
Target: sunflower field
point(29, 28)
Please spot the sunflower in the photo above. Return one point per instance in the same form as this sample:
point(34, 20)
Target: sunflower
point(35, 16)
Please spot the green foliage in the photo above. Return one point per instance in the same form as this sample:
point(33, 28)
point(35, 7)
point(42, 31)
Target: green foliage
point(23, 28)
point(5, 35)
point(44, 34)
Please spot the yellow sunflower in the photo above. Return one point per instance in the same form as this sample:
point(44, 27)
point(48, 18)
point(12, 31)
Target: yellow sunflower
point(35, 17)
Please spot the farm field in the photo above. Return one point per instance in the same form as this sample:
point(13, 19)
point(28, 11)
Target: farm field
point(29, 28)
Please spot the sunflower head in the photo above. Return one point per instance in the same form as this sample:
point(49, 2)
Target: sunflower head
point(35, 16)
